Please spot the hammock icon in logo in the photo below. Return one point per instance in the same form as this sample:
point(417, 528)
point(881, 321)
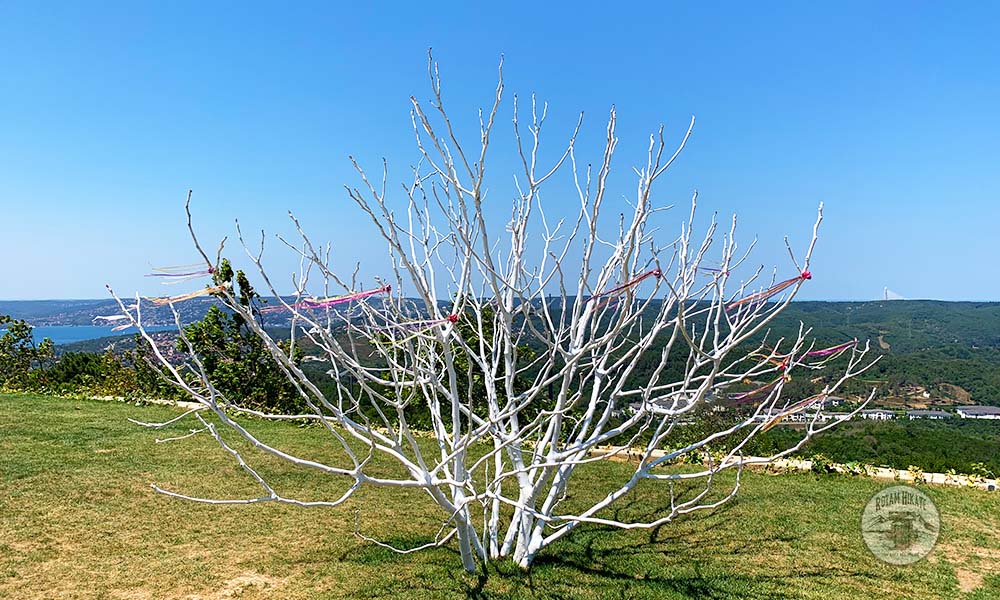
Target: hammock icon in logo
point(900, 525)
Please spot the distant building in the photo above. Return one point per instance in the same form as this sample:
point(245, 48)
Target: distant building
point(799, 417)
point(660, 405)
point(877, 414)
point(927, 414)
point(978, 412)
point(766, 415)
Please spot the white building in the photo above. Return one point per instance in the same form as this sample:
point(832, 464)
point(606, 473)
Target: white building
point(927, 414)
point(877, 414)
point(978, 412)
point(799, 417)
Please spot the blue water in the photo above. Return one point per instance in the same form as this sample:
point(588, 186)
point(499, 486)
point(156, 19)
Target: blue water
point(67, 334)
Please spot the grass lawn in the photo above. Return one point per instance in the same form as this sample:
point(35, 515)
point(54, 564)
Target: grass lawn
point(79, 520)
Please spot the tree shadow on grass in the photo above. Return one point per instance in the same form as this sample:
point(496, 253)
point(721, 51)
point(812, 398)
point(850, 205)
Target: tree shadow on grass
point(681, 558)
point(600, 561)
point(691, 557)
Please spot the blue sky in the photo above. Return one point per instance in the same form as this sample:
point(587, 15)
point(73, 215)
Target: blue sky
point(887, 112)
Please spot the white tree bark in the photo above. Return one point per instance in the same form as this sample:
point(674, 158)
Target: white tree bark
point(506, 449)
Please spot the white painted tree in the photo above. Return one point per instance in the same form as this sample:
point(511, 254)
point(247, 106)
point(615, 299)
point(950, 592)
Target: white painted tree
point(592, 302)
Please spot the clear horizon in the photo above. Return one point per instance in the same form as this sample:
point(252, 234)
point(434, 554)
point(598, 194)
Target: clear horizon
point(885, 113)
point(796, 299)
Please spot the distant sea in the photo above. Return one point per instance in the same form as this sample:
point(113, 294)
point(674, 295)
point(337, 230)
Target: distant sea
point(67, 334)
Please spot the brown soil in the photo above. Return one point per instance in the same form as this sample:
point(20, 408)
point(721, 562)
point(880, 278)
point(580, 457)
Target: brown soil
point(956, 393)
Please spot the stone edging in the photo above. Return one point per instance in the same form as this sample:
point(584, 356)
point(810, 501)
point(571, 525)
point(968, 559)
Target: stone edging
point(795, 464)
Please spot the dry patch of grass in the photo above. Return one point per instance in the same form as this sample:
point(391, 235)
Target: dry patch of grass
point(972, 564)
point(243, 586)
point(973, 551)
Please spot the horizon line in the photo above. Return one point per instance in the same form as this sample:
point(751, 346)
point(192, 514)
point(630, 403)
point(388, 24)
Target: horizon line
point(844, 300)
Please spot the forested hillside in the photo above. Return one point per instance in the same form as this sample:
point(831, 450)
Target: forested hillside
point(934, 352)
point(904, 326)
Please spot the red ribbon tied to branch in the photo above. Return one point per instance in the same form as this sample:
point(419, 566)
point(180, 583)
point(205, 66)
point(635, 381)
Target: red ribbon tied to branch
point(763, 295)
point(630, 283)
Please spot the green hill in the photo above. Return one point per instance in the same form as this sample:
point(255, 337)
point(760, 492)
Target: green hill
point(904, 325)
point(950, 350)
